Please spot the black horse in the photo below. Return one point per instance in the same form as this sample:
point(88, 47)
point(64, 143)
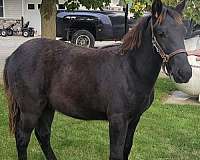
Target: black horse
point(112, 83)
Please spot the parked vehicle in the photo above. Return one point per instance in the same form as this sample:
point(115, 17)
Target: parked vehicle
point(85, 27)
point(8, 31)
point(27, 31)
point(24, 30)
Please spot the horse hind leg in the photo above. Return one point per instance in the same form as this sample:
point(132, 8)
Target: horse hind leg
point(24, 128)
point(28, 114)
point(43, 133)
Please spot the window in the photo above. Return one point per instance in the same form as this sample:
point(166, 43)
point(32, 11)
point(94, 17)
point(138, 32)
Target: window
point(1, 8)
point(31, 6)
point(39, 6)
point(61, 6)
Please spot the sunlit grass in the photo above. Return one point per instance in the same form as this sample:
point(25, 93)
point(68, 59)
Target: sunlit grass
point(165, 132)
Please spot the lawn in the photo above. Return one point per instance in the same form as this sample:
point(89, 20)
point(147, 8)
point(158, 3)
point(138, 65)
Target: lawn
point(165, 132)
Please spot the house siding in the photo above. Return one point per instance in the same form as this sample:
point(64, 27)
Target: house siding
point(13, 8)
point(114, 2)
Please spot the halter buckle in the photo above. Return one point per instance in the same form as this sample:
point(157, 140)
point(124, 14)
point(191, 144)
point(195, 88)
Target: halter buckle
point(165, 58)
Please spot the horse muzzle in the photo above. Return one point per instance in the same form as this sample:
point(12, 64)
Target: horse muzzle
point(182, 75)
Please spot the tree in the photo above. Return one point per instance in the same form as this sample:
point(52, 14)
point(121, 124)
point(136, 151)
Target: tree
point(48, 18)
point(192, 10)
point(48, 13)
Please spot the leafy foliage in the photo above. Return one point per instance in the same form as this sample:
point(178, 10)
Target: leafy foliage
point(192, 10)
point(75, 4)
point(138, 8)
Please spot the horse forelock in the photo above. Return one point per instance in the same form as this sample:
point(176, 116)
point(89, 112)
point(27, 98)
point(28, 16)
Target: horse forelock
point(172, 13)
point(133, 38)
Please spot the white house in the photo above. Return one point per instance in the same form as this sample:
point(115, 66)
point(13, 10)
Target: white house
point(29, 9)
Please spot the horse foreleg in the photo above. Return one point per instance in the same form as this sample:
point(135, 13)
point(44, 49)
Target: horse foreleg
point(43, 133)
point(118, 126)
point(129, 137)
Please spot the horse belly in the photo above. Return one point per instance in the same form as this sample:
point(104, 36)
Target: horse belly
point(84, 114)
point(80, 110)
point(87, 115)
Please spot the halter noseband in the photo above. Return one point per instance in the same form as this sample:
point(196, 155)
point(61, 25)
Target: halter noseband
point(160, 51)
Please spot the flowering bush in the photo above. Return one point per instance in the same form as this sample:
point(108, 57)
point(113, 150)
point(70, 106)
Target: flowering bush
point(138, 9)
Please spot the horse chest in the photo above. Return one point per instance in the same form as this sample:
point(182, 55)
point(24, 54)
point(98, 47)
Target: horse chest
point(139, 102)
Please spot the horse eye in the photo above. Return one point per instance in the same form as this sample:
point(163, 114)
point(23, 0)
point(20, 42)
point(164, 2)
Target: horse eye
point(161, 34)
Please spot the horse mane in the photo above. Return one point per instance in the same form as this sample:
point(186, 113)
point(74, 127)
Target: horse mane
point(134, 36)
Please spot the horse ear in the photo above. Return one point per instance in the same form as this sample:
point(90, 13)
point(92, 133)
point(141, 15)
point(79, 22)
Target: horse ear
point(180, 7)
point(157, 7)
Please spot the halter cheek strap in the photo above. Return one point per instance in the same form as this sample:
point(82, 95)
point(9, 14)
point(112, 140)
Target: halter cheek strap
point(160, 51)
point(164, 56)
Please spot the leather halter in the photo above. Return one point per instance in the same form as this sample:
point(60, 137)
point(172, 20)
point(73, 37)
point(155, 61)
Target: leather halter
point(160, 51)
point(166, 57)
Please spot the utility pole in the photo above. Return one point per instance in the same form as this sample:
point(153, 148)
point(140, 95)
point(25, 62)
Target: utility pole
point(126, 19)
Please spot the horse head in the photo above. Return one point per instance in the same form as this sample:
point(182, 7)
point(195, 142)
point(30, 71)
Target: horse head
point(168, 33)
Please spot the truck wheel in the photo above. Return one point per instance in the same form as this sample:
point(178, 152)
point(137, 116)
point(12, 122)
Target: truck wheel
point(83, 38)
point(3, 33)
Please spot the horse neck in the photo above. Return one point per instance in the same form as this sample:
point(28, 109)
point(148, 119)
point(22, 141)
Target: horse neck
point(145, 62)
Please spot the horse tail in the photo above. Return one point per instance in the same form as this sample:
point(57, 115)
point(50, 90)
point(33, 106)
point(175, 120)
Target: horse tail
point(12, 104)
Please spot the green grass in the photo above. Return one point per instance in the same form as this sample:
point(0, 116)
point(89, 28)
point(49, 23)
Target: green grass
point(165, 132)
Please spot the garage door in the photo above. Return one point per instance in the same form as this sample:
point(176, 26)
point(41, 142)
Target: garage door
point(13, 8)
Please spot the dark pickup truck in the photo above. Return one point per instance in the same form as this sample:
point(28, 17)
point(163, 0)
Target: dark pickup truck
point(85, 27)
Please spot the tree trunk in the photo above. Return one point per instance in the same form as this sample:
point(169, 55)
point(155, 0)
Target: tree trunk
point(48, 19)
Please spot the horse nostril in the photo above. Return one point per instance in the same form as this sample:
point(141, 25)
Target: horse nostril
point(189, 73)
point(185, 74)
point(180, 73)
